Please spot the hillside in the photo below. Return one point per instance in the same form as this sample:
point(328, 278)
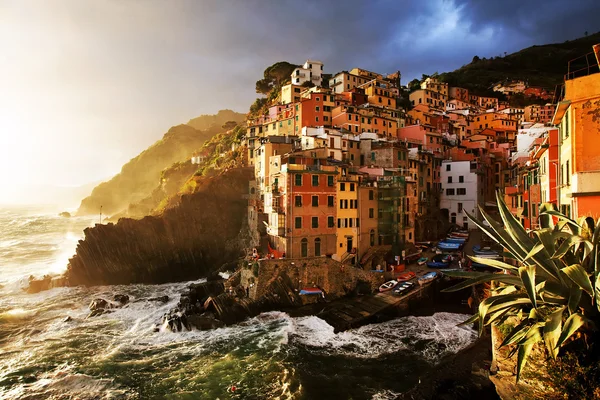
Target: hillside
point(543, 66)
point(140, 176)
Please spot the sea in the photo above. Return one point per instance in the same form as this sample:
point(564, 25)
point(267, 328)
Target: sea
point(50, 350)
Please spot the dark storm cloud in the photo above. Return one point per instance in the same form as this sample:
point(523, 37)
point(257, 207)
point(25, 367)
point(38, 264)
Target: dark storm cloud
point(110, 77)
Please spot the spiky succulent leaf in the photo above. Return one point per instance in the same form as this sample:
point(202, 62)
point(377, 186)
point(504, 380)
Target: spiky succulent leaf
point(552, 331)
point(525, 346)
point(527, 274)
point(580, 277)
point(573, 323)
point(493, 263)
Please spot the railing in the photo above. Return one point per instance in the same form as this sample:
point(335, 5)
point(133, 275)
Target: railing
point(577, 69)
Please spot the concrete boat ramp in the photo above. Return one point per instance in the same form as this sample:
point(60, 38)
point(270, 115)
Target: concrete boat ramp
point(352, 313)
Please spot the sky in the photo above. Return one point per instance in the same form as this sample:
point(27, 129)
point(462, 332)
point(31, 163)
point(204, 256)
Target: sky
point(86, 85)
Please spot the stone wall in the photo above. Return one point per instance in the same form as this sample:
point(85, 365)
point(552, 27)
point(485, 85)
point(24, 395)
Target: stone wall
point(322, 272)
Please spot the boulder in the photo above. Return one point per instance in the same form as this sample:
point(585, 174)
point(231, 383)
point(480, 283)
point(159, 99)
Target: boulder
point(159, 299)
point(121, 298)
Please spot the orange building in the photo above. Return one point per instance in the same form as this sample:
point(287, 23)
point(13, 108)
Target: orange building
point(577, 116)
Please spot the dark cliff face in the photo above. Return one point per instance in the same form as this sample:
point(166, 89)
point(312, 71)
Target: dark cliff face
point(189, 240)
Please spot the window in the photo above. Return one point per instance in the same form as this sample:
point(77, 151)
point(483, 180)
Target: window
point(304, 247)
point(298, 180)
point(317, 108)
point(370, 195)
point(352, 187)
point(330, 222)
point(371, 213)
point(317, 247)
point(568, 175)
point(461, 179)
point(461, 191)
point(298, 222)
point(330, 201)
point(330, 180)
point(460, 207)
point(315, 222)
point(372, 237)
point(449, 179)
point(315, 180)
point(342, 187)
point(315, 201)
point(449, 192)
point(298, 201)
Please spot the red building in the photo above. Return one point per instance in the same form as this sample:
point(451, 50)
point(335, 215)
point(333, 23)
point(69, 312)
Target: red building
point(307, 208)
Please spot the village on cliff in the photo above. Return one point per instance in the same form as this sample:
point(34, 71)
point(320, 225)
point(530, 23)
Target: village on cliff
point(342, 170)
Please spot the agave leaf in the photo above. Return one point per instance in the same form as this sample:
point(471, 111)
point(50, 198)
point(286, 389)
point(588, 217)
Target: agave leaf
point(536, 249)
point(493, 263)
point(527, 274)
point(512, 225)
point(517, 333)
point(566, 245)
point(465, 274)
point(580, 277)
point(562, 217)
point(552, 331)
point(597, 287)
point(534, 314)
point(519, 248)
point(498, 314)
point(546, 220)
point(471, 320)
point(573, 323)
point(525, 346)
point(596, 236)
point(574, 298)
point(509, 279)
point(508, 300)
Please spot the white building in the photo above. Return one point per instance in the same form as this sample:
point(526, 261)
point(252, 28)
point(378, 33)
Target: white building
point(461, 191)
point(311, 71)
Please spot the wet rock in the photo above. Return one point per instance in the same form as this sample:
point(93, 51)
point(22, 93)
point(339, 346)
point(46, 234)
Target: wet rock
point(160, 299)
point(65, 214)
point(68, 319)
point(121, 298)
point(203, 231)
point(99, 307)
point(205, 321)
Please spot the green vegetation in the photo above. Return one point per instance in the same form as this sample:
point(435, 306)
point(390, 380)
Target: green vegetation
point(538, 65)
point(276, 75)
point(139, 178)
point(550, 287)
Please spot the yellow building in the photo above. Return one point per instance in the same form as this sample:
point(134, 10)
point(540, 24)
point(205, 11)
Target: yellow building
point(291, 93)
point(347, 215)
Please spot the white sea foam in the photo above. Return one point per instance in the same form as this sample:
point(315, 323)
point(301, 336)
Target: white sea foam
point(63, 382)
point(432, 337)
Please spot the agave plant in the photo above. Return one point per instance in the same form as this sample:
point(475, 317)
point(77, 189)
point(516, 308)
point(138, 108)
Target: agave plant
point(550, 280)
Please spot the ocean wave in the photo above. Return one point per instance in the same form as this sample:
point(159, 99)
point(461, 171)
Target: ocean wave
point(431, 337)
point(63, 382)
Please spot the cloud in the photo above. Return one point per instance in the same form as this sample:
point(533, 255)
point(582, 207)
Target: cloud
point(88, 85)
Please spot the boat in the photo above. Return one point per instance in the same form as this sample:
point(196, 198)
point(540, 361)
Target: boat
point(389, 285)
point(413, 256)
point(455, 240)
point(422, 260)
point(448, 246)
point(478, 250)
point(428, 277)
point(445, 258)
point(437, 264)
point(459, 234)
point(310, 290)
point(406, 276)
point(404, 287)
